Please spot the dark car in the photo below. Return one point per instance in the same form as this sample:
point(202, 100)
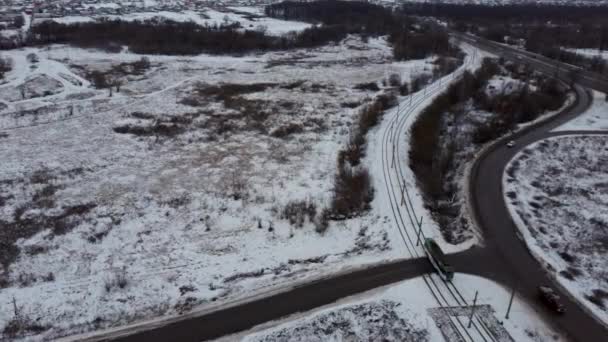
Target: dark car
point(551, 299)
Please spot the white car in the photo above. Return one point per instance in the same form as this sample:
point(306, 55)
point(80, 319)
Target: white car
point(511, 144)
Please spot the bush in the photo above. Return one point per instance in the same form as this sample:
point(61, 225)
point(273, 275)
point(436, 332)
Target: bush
point(322, 221)
point(353, 193)
point(371, 86)
point(394, 80)
point(287, 130)
point(6, 65)
point(118, 279)
point(296, 212)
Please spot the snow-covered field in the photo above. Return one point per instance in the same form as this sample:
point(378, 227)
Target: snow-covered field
point(408, 312)
point(557, 193)
point(171, 194)
point(249, 18)
point(595, 118)
point(590, 52)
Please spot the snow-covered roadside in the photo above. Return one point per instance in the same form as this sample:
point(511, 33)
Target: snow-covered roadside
point(557, 194)
point(375, 147)
point(594, 119)
point(408, 312)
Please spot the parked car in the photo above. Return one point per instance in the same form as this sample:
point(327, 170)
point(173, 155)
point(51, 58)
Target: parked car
point(551, 299)
point(511, 144)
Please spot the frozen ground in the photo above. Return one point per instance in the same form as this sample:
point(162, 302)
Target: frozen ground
point(408, 312)
point(590, 52)
point(595, 118)
point(171, 194)
point(557, 193)
point(249, 18)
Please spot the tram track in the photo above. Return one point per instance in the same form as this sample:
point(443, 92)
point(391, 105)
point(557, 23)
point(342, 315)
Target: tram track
point(447, 295)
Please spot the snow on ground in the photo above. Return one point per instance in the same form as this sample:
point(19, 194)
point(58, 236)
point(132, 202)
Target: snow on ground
point(408, 312)
point(166, 197)
point(557, 193)
point(589, 52)
point(503, 85)
point(595, 118)
point(375, 152)
point(249, 17)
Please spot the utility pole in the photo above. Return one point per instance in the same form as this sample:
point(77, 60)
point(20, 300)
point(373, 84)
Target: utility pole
point(472, 311)
point(510, 303)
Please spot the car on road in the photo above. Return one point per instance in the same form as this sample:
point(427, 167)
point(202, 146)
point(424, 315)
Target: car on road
point(511, 144)
point(551, 299)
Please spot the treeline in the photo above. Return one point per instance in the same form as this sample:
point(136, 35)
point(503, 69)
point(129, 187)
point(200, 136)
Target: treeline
point(177, 38)
point(544, 29)
point(508, 109)
point(447, 133)
point(427, 167)
point(336, 19)
point(359, 16)
point(411, 39)
point(353, 190)
point(562, 13)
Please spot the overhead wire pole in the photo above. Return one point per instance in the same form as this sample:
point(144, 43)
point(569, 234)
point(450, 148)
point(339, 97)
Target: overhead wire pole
point(510, 303)
point(419, 223)
point(472, 310)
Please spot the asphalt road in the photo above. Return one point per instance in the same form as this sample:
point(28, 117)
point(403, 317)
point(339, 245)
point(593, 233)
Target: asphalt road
point(247, 315)
point(507, 257)
point(504, 258)
point(539, 62)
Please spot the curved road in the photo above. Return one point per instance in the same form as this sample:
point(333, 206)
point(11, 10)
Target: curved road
point(509, 260)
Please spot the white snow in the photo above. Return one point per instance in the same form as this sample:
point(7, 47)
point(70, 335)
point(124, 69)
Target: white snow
point(272, 26)
point(594, 119)
point(404, 174)
point(589, 52)
point(557, 193)
point(163, 218)
point(378, 312)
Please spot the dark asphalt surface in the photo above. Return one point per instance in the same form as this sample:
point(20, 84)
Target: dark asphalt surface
point(504, 258)
point(507, 258)
point(300, 299)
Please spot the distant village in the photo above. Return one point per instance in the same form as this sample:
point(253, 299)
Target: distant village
point(10, 11)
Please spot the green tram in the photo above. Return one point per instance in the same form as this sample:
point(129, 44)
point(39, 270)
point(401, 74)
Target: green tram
point(438, 260)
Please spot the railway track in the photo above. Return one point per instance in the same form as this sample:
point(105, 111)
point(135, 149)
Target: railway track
point(445, 293)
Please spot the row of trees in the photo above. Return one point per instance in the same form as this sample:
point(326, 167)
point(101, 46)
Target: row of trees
point(337, 19)
point(411, 39)
point(177, 38)
point(554, 13)
point(545, 29)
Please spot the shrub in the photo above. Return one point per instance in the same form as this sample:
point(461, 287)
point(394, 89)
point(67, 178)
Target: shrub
point(394, 80)
point(296, 212)
point(118, 279)
point(287, 130)
point(353, 193)
point(371, 86)
point(322, 221)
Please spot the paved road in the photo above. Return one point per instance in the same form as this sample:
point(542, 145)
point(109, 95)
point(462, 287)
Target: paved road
point(504, 258)
point(509, 260)
point(539, 62)
point(245, 316)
